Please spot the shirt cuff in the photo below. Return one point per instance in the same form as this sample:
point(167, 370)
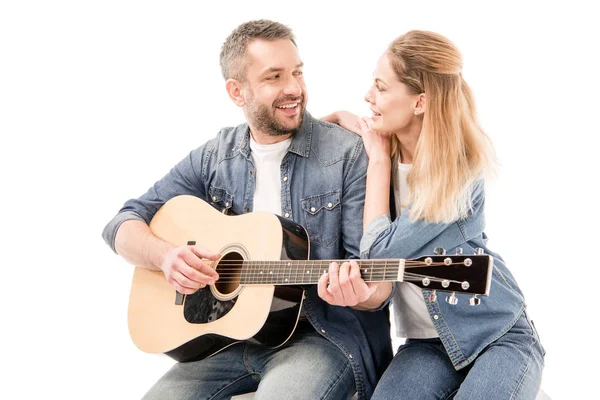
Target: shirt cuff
point(371, 233)
point(110, 230)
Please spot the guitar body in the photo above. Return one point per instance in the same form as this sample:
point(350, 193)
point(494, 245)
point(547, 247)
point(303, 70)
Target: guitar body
point(193, 327)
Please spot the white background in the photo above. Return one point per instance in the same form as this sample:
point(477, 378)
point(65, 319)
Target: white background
point(98, 99)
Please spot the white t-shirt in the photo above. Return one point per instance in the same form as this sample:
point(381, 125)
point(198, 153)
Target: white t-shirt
point(267, 189)
point(410, 311)
point(267, 164)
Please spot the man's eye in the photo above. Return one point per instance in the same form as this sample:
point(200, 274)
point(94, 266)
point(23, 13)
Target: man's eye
point(273, 77)
point(298, 73)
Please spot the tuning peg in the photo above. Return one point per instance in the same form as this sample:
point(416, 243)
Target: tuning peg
point(474, 301)
point(433, 296)
point(479, 251)
point(452, 299)
point(439, 251)
point(459, 251)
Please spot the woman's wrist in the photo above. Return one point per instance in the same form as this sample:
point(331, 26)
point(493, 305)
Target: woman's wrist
point(380, 161)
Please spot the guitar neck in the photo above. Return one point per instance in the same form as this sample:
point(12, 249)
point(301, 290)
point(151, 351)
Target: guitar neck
point(454, 273)
point(308, 272)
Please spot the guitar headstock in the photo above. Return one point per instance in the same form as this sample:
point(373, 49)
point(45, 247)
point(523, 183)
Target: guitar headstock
point(459, 273)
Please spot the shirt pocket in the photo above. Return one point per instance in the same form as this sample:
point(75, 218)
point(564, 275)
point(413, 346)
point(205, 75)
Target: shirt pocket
point(323, 215)
point(220, 199)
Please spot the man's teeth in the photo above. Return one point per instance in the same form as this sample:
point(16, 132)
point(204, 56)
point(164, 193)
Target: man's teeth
point(288, 106)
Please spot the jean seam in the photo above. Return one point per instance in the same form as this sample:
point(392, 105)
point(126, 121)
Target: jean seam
point(452, 394)
point(228, 385)
point(249, 368)
point(520, 383)
point(336, 381)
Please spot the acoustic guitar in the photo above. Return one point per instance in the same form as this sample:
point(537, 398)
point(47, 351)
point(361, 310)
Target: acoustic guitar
point(264, 257)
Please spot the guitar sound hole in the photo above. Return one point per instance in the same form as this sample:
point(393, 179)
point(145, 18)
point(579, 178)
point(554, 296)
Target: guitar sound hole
point(229, 269)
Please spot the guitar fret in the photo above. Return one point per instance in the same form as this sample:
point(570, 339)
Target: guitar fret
point(261, 273)
point(246, 275)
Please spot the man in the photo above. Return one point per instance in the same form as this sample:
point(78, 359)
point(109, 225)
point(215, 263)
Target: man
point(286, 162)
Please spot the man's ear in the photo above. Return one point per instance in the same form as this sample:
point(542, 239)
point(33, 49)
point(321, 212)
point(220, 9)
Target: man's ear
point(235, 90)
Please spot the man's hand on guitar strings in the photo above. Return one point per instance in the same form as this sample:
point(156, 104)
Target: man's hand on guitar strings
point(185, 269)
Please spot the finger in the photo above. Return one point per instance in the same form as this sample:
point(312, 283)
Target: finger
point(192, 259)
point(362, 123)
point(334, 284)
point(198, 271)
point(204, 253)
point(195, 276)
point(183, 284)
point(346, 285)
point(360, 287)
point(322, 289)
point(329, 118)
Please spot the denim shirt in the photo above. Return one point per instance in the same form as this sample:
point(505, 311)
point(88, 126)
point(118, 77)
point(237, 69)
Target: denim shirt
point(323, 178)
point(463, 329)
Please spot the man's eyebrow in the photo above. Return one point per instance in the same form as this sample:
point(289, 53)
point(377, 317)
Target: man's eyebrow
point(270, 70)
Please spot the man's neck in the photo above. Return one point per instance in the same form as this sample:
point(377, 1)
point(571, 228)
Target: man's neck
point(263, 138)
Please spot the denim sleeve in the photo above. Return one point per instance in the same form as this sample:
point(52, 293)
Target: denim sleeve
point(353, 202)
point(407, 239)
point(186, 178)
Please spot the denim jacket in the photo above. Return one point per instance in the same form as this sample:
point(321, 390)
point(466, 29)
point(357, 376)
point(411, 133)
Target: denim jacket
point(463, 329)
point(323, 178)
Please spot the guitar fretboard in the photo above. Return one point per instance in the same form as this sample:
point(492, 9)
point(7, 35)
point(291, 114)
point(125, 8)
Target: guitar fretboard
point(288, 272)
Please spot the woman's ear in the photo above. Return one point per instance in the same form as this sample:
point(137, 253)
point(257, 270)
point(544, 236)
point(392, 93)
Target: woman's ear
point(235, 90)
point(420, 107)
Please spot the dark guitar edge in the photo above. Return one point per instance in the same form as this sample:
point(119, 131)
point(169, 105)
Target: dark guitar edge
point(208, 345)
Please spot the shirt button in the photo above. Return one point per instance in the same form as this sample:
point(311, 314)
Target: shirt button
point(250, 172)
point(287, 215)
point(329, 205)
point(285, 178)
point(226, 204)
point(350, 356)
point(435, 317)
point(214, 198)
point(247, 209)
point(313, 209)
point(323, 331)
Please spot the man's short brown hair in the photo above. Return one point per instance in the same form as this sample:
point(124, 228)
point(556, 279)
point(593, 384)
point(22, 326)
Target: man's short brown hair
point(233, 56)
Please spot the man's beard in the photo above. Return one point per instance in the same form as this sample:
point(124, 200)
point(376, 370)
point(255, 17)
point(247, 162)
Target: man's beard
point(264, 120)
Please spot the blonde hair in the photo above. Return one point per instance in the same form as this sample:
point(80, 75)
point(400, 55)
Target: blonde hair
point(452, 151)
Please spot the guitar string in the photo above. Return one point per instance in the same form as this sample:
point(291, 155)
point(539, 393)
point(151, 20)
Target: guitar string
point(407, 277)
point(282, 265)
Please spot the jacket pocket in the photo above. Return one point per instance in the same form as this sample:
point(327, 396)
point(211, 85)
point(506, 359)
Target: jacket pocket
point(220, 199)
point(323, 215)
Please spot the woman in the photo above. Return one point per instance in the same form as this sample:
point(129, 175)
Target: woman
point(438, 156)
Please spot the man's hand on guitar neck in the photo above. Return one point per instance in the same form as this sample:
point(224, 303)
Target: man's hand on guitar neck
point(343, 286)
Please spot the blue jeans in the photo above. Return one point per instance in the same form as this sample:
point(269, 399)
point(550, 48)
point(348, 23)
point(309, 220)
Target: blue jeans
point(509, 368)
point(308, 367)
